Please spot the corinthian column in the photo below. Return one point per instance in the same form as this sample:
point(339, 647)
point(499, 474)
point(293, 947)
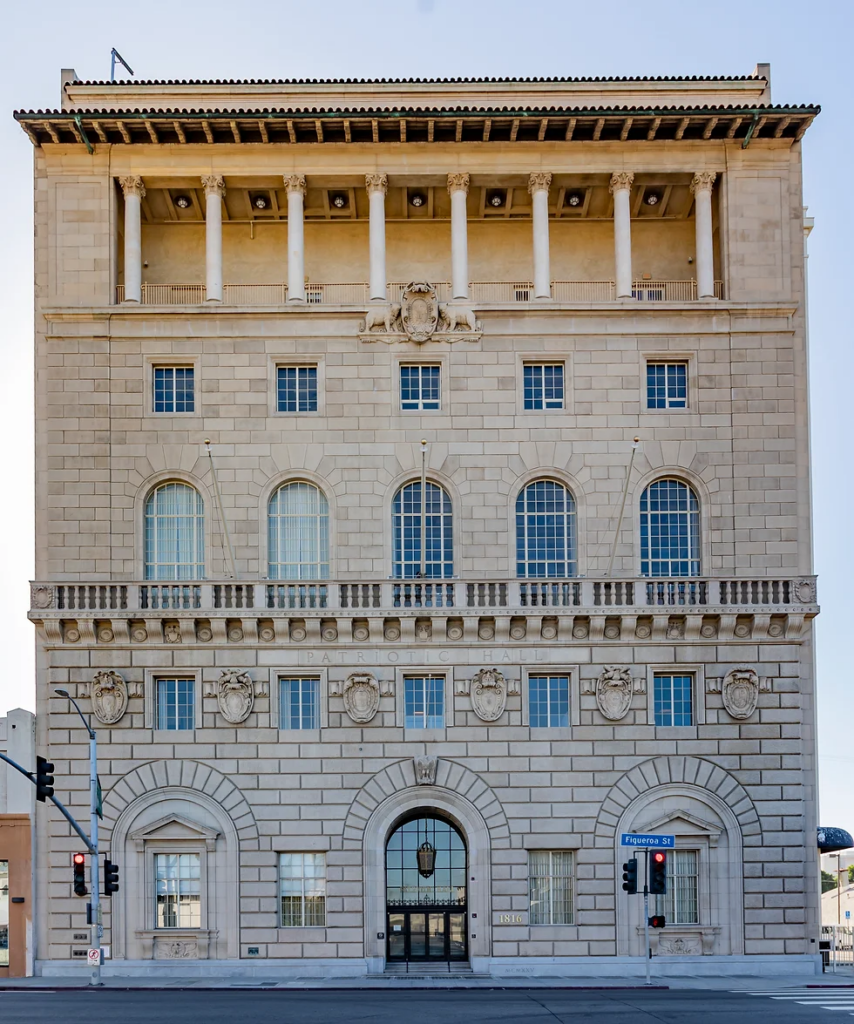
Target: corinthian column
point(133, 190)
point(701, 186)
point(621, 190)
point(214, 192)
point(377, 186)
point(458, 188)
point(295, 184)
point(538, 186)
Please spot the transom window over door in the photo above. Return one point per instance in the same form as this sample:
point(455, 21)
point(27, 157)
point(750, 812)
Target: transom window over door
point(545, 531)
point(670, 530)
point(298, 532)
point(174, 533)
point(406, 533)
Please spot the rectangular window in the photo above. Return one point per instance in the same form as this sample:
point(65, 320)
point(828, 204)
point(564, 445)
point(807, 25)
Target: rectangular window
point(176, 700)
point(548, 701)
point(673, 700)
point(174, 389)
point(296, 389)
point(543, 384)
point(420, 387)
point(667, 385)
point(424, 702)
point(680, 904)
point(302, 889)
point(550, 886)
point(299, 701)
point(177, 878)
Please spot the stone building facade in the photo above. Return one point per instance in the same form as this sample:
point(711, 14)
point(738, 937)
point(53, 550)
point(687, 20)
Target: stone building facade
point(272, 315)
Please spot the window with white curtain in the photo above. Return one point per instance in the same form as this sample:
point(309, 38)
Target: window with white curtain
point(302, 889)
point(681, 903)
point(550, 886)
point(174, 533)
point(545, 531)
point(177, 878)
point(669, 530)
point(298, 531)
point(406, 533)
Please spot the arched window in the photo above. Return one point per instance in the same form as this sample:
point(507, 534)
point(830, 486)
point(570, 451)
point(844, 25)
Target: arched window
point(545, 531)
point(298, 532)
point(406, 533)
point(174, 533)
point(670, 530)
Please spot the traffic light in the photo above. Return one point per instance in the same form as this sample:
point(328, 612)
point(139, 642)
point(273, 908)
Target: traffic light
point(657, 921)
point(111, 877)
point(44, 778)
point(658, 873)
point(630, 876)
point(79, 862)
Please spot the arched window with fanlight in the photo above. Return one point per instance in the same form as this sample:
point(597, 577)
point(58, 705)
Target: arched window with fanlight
point(545, 531)
point(298, 533)
point(406, 518)
point(174, 533)
point(670, 530)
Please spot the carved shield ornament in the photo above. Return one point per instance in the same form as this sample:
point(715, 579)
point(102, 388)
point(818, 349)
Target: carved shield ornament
point(109, 697)
point(614, 692)
point(235, 696)
point(419, 311)
point(361, 697)
point(740, 692)
point(488, 694)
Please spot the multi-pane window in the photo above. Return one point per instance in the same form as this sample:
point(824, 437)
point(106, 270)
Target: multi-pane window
point(420, 387)
point(543, 385)
point(176, 700)
point(174, 389)
point(299, 704)
point(298, 533)
point(177, 883)
point(667, 385)
point(424, 702)
point(174, 533)
point(673, 699)
point(406, 533)
point(550, 886)
point(296, 389)
point(548, 701)
point(669, 530)
point(545, 531)
point(302, 889)
point(680, 904)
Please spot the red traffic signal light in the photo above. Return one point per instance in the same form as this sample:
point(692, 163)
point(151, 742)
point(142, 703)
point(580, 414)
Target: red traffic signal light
point(657, 921)
point(78, 862)
point(658, 873)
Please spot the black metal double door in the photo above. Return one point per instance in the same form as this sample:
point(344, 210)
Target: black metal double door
point(427, 934)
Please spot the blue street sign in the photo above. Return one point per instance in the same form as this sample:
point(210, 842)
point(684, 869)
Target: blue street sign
point(648, 842)
point(847, 915)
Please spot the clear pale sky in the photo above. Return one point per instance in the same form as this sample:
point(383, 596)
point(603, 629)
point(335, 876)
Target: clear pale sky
point(808, 45)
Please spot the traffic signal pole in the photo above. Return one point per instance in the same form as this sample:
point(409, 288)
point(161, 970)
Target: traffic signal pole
point(646, 914)
point(95, 867)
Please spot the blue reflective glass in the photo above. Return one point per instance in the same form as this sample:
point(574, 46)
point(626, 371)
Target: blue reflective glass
point(424, 702)
point(406, 533)
point(299, 704)
point(420, 387)
point(673, 700)
point(175, 704)
point(545, 531)
point(548, 701)
point(543, 385)
point(667, 385)
point(296, 389)
point(174, 389)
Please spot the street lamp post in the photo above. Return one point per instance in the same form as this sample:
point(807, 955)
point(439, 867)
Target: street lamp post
point(94, 871)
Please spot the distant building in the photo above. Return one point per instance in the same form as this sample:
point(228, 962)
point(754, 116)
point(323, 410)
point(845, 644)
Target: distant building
point(319, 651)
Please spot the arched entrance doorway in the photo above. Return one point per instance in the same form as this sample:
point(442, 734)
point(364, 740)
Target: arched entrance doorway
point(426, 894)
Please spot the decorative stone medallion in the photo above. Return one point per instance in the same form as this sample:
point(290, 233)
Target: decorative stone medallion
point(172, 632)
point(805, 591)
point(166, 949)
point(106, 635)
point(41, 597)
point(425, 769)
point(740, 692)
point(329, 634)
point(234, 694)
point(204, 634)
point(614, 692)
point(235, 634)
point(361, 693)
point(419, 311)
point(680, 946)
point(139, 634)
point(109, 694)
point(488, 692)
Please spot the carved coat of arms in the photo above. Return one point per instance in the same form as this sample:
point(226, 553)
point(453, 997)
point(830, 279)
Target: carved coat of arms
point(109, 697)
point(740, 692)
point(419, 311)
point(361, 694)
point(234, 694)
point(489, 694)
point(614, 692)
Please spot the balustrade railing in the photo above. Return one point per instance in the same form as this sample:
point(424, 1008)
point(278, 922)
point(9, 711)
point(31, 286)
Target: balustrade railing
point(629, 595)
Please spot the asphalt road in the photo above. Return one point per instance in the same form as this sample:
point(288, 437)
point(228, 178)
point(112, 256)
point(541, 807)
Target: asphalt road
point(512, 1006)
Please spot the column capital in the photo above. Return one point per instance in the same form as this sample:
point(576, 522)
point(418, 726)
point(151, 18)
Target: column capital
point(376, 183)
point(703, 181)
point(132, 185)
point(458, 183)
point(621, 180)
point(294, 183)
point(213, 185)
point(539, 182)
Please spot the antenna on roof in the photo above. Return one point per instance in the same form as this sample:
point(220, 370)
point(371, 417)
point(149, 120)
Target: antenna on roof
point(116, 56)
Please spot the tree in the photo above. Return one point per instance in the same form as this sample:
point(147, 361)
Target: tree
point(851, 874)
point(828, 881)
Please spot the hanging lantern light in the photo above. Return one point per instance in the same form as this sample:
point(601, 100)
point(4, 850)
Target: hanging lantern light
point(426, 856)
